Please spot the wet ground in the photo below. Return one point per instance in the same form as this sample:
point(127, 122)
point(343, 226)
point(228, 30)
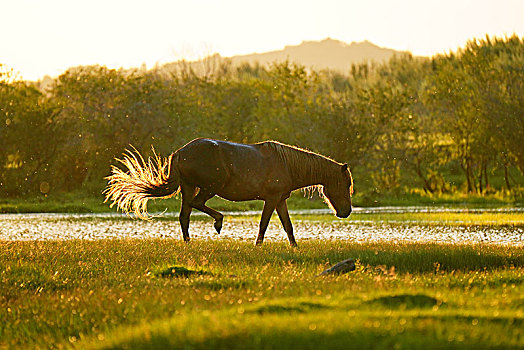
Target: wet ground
point(239, 227)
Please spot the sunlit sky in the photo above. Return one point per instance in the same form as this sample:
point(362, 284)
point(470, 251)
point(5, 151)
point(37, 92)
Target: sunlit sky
point(39, 37)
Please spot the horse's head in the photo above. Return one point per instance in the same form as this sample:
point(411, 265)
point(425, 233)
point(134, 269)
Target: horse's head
point(338, 192)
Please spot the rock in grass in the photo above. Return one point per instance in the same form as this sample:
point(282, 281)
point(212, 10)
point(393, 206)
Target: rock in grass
point(340, 268)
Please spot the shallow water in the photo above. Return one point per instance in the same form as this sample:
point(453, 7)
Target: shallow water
point(102, 226)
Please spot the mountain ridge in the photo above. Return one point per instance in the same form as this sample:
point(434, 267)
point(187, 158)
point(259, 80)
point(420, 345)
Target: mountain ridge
point(325, 54)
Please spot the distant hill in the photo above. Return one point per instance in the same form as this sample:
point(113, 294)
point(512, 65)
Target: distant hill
point(325, 54)
point(318, 55)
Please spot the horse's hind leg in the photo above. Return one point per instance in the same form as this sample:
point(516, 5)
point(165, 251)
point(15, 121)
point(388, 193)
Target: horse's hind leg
point(200, 203)
point(188, 193)
point(283, 214)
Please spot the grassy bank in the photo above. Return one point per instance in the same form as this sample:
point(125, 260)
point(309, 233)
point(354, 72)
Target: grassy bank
point(84, 203)
point(128, 293)
point(461, 217)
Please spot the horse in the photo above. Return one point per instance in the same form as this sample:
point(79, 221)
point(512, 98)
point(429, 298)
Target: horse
point(204, 168)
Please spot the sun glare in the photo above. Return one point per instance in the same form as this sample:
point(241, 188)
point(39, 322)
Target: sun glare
point(49, 37)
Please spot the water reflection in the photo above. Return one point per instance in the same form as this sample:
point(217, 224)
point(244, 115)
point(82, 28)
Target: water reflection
point(238, 227)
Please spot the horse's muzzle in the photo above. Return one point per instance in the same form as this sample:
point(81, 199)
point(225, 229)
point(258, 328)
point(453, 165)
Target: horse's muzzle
point(343, 214)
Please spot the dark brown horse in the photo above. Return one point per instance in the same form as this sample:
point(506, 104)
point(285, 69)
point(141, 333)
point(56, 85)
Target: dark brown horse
point(203, 168)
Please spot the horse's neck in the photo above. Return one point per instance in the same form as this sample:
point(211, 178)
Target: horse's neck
point(315, 174)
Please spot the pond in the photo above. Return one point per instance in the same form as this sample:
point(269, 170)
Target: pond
point(244, 226)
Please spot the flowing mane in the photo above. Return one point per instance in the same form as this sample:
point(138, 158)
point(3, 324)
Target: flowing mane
point(304, 164)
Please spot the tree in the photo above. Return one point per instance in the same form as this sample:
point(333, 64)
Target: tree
point(30, 135)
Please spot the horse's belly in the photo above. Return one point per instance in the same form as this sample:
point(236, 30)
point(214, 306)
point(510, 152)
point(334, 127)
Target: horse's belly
point(246, 189)
point(238, 194)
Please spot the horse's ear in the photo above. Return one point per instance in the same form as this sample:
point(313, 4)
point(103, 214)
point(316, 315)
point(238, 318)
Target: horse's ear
point(344, 168)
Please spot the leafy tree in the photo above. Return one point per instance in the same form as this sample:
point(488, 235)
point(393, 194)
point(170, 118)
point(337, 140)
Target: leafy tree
point(30, 135)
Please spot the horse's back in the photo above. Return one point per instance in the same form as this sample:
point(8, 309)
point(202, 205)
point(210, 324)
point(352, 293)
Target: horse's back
point(232, 170)
point(209, 152)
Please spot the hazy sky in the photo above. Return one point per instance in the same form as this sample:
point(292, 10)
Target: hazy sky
point(39, 37)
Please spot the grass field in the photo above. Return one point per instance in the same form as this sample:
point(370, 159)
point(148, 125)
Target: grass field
point(229, 294)
point(460, 218)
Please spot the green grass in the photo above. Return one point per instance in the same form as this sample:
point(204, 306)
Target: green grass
point(228, 294)
point(85, 203)
point(409, 197)
point(459, 218)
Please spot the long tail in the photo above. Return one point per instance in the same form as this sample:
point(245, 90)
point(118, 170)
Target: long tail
point(131, 190)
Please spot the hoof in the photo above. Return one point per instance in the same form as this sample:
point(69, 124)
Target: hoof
point(218, 225)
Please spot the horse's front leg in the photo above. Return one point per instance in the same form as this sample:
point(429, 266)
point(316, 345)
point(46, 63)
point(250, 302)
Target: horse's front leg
point(188, 193)
point(269, 208)
point(283, 214)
